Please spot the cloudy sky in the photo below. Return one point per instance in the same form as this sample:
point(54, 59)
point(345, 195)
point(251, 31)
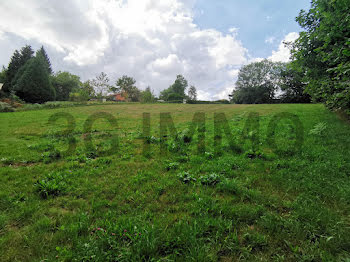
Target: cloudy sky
point(153, 40)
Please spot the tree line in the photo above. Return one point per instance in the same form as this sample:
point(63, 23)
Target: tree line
point(29, 77)
point(318, 72)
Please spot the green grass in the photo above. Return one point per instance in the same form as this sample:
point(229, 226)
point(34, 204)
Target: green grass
point(252, 203)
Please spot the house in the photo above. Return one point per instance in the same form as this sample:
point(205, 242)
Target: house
point(118, 97)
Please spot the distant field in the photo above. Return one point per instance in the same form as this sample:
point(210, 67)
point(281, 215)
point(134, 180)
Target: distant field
point(241, 201)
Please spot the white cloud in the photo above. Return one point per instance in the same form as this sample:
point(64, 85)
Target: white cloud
point(150, 40)
point(270, 40)
point(283, 52)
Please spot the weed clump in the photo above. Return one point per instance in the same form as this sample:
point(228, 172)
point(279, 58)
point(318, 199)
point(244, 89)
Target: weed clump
point(210, 180)
point(53, 184)
point(186, 178)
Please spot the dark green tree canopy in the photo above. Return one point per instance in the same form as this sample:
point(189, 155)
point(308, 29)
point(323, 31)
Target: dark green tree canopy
point(257, 83)
point(292, 85)
point(42, 52)
point(180, 85)
point(176, 92)
point(64, 83)
point(33, 83)
point(18, 60)
point(323, 51)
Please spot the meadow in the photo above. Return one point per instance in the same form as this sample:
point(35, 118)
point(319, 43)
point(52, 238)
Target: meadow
point(117, 189)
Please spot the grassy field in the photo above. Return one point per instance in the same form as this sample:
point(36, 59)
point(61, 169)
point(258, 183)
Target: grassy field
point(246, 201)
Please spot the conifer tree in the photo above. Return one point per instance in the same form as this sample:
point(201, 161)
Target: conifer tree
point(42, 51)
point(33, 82)
point(18, 60)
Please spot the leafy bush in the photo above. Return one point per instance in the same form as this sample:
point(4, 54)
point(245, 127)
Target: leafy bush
point(5, 107)
point(58, 104)
point(210, 180)
point(32, 106)
point(13, 101)
point(53, 184)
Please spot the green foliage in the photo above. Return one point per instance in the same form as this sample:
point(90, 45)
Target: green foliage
point(53, 184)
point(176, 92)
point(257, 83)
point(101, 84)
point(126, 85)
point(210, 180)
point(148, 96)
point(318, 129)
point(186, 177)
point(292, 84)
point(18, 60)
point(79, 96)
point(323, 51)
point(180, 85)
point(5, 107)
point(172, 166)
point(88, 89)
point(33, 83)
point(64, 83)
point(43, 53)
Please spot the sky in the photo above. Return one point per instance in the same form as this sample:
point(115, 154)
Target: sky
point(151, 40)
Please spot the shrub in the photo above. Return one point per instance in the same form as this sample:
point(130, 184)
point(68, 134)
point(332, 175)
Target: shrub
point(5, 107)
point(32, 106)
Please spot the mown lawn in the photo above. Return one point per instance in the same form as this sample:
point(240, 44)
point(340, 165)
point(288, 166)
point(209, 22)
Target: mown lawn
point(239, 201)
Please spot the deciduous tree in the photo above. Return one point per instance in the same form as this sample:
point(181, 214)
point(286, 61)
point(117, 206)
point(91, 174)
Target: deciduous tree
point(64, 83)
point(126, 85)
point(257, 83)
point(323, 52)
point(101, 84)
point(192, 93)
